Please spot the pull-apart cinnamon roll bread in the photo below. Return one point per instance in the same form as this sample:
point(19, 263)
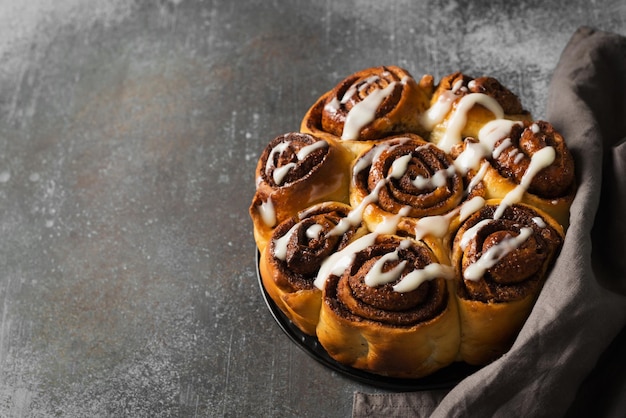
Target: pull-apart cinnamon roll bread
point(412, 224)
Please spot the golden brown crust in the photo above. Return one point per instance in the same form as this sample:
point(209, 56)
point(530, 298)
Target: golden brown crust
point(489, 328)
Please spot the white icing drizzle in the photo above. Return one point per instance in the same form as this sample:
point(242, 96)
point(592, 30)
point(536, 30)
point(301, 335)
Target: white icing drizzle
point(496, 253)
point(412, 280)
point(470, 157)
point(471, 206)
point(539, 221)
point(438, 179)
point(356, 215)
point(389, 225)
point(415, 278)
point(438, 111)
point(475, 152)
point(500, 148)
point(471, 233)
point(436, 225)
point(353, 88)
point(376, 277)
point(364, 111)
point(267, 212)
point(305, 151)
point(458, 86)
point(478, 177)
point(540, 160)
point(314, 231)
point(339, 261)
point(332, 106)
point(278, 149)
point(280, 244)
point(280, 172)
point(495, 130)
point(399, 166)
point(458, 119)
point(370, 157)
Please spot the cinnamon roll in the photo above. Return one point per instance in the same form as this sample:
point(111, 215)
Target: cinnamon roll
point(461, 105)
point(289, 264)
point(501, 256)
point(386, 308)
point(404, 176)
point(369, 105)
point(295, 171)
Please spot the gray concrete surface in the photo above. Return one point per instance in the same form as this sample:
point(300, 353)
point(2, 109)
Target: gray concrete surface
point(129, 132)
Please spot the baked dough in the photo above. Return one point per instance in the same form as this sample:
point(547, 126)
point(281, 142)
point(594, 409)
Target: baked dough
point(413, 167)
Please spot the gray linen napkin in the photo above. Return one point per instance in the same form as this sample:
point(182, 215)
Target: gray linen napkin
point(569, 357)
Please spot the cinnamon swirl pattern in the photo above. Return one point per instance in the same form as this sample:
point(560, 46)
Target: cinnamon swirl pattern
point(410, 225)
point(405, 175)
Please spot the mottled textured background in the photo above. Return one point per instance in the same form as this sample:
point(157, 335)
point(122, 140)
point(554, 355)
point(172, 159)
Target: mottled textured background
point(129, 132)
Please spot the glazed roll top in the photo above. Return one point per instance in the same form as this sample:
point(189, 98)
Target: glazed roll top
point(515, 151)
point(500, 259)
point(407, 176)
point(373, 103)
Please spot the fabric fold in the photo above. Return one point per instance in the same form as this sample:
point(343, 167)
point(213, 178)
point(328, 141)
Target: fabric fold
point(582, 308)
